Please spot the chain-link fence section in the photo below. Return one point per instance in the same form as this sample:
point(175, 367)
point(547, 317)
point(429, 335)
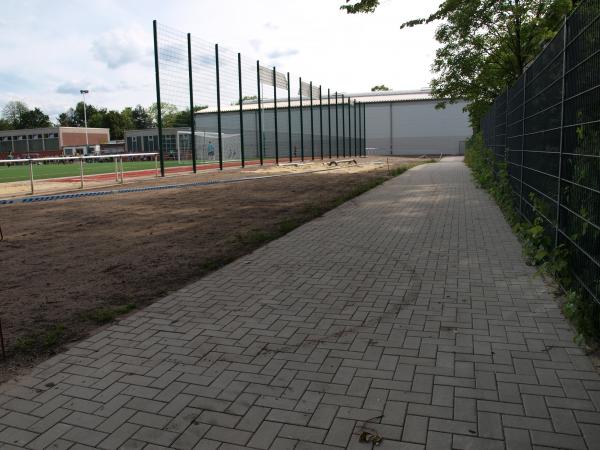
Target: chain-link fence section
point(546, 127)
point(215, 106)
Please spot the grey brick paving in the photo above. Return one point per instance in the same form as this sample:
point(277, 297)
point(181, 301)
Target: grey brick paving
point(408, 312)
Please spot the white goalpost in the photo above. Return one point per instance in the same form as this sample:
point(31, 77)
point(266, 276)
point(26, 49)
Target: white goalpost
point(207, 146)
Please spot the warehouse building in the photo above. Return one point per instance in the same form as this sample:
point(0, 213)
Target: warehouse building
point(41, 142)
point(408, 123)
point(397, 123)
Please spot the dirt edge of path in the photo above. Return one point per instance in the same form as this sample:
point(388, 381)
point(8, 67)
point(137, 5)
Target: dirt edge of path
point(55, 332)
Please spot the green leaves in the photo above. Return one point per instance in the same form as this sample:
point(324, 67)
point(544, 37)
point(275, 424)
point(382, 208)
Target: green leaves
point(484, 45)
point(362, 6)
point(537, 239)
point(17, 115)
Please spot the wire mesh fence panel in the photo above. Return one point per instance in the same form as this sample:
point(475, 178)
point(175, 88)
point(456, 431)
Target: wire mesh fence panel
point(541, 143)
point(514, 138)
point(216, 106)
point(547, 129)
point(579, 213)
point(206, 125)
point(174, 107)
point(229, 97)
point(249, 103)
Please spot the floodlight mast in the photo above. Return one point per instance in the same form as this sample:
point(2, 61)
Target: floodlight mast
point(87, 142)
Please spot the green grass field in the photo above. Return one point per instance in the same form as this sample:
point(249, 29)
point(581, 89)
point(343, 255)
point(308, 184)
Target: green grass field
point(20, 172)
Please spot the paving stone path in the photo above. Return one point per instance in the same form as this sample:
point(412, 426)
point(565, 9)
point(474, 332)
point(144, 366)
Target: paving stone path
point(407, 313)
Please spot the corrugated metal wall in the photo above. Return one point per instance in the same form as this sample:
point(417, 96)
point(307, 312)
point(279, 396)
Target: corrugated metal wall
point(394, 128)
point(416, 128)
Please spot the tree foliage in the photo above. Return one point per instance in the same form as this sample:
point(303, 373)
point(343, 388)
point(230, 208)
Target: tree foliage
point(380, 87)
point(484, 45)
point(17, 115)
point(34, 118)
point(362, 6)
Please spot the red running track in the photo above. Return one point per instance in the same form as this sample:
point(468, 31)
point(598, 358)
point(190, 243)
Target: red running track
point(152, 172)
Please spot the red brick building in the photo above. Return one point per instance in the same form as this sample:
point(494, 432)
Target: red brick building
point(40, 142)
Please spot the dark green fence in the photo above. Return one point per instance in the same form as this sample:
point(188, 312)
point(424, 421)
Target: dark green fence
point(216, 106)
point(546, 127)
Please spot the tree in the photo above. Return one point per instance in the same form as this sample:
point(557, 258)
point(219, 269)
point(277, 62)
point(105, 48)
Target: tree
point(485, 45)
point(66, 118)
point(380, 87)
point(116, 122)
point(4, 125)
point(141, 118)
point(75, 117)
point(34, 118)
point(17, 115)
point(166, 110)
point(363, 6)
point(13, 111)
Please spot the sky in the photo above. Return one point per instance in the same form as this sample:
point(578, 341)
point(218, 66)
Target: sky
point(52, 49)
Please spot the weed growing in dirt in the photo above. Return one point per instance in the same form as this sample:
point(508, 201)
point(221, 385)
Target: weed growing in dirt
point(41, 341)
point(108, 314)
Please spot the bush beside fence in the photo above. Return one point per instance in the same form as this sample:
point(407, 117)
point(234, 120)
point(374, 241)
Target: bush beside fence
point(543, 133)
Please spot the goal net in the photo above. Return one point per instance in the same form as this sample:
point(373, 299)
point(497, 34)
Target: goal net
point(207, 146)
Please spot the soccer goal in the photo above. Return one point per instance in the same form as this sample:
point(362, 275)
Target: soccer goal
point(207, 146)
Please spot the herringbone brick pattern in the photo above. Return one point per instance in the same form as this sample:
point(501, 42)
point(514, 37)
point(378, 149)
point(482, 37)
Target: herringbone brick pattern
point(407, 312)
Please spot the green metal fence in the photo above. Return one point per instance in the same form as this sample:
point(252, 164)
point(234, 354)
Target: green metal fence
point(233, 110)
point(546, 127)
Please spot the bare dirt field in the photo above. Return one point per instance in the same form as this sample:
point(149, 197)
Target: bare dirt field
point(69, 266)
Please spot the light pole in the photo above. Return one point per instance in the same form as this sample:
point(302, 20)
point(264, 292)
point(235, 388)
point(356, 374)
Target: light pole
point(87, 143)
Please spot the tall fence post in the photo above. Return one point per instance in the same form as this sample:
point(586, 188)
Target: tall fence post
point(365, 127)
point(219, 107)
point(242, 151)
point(312, 125)
point(31, 175)
point(349, 127)
point(260, 128)
point(301, 124)
point(359, 127)
point(524, 99)
point(275, 115)
point(343, 125)
point(158, 103)
point(355, 133)
point(192, 121)
point(329, 118)
point(337, 128)
point(289, 116)
point(321, 117)
point(81, 170)
point(562, 127)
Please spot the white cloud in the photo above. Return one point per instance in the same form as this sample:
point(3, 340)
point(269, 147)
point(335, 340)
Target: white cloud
point(277, 54)
point(119, 47)
point(70, 87)
point(112, 55)
point(255, 44)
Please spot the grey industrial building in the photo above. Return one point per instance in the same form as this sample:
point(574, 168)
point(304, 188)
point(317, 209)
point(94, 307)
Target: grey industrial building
point(408, 123)
point(397, 123)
